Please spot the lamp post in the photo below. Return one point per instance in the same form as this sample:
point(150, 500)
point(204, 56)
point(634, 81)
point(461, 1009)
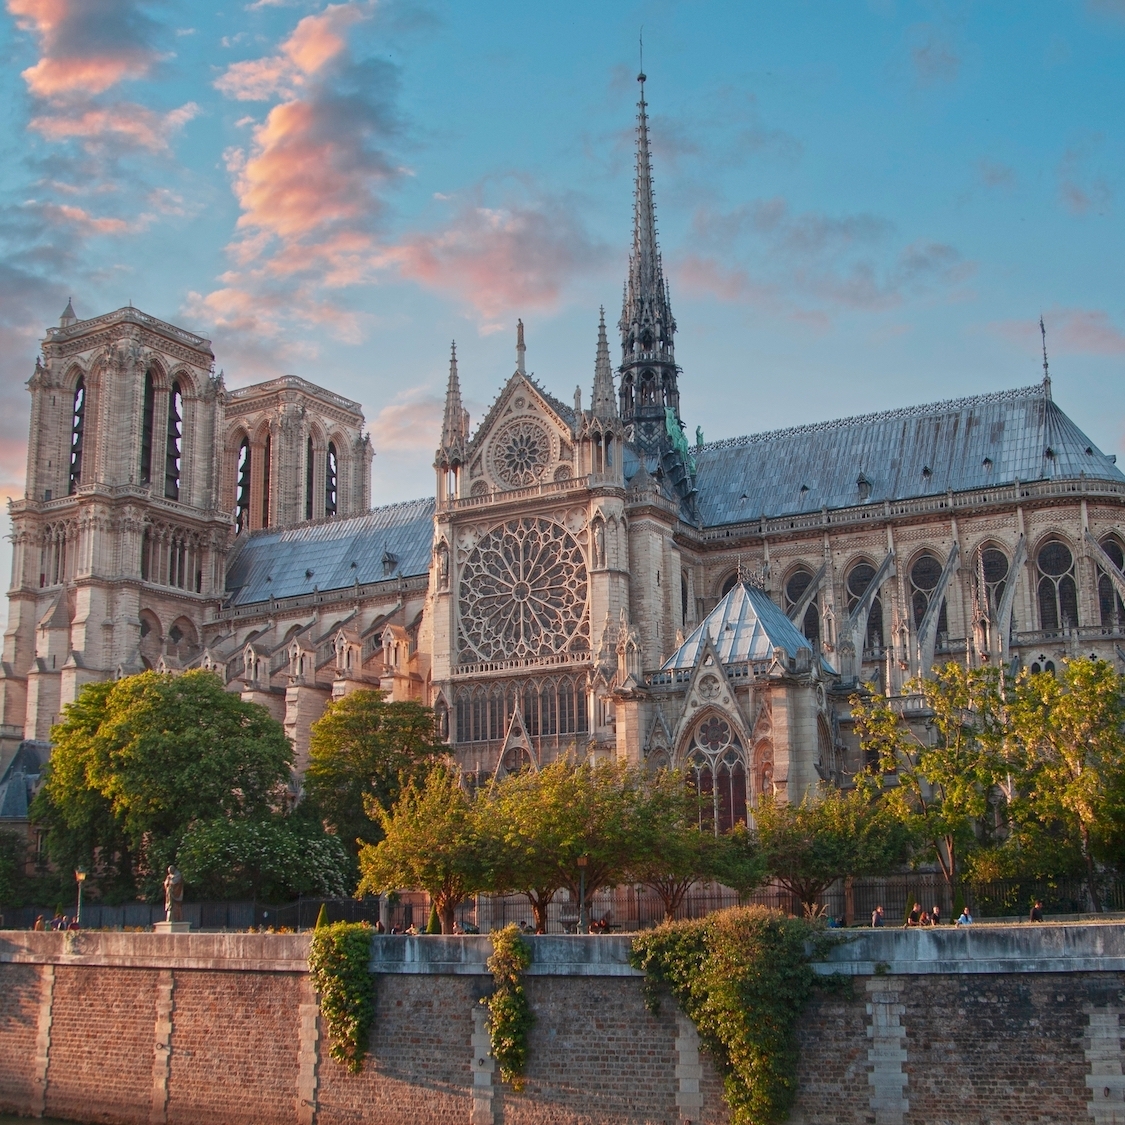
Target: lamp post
point(583, 921)
point(80, 875)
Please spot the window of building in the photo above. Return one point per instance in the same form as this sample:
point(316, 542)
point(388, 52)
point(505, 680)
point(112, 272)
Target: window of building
point(729, 584)
point(994, 572)
point(859, 578)
point(1109, 598)
point(549, 708)
point(309, 480)
point(925, 577)
point(147, 417)
point(77, 429)
point(242, 493)
point(174, 447)
point(796, 586)
point(330, 481)
point(266, 464)
point(717, 770)
point(1058, 592)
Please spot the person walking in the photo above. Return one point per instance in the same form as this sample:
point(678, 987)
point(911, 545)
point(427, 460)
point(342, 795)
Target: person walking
point(1036, 912)
point(877, 918)
point(935, 915)
point(964, 918)
point(915, 916)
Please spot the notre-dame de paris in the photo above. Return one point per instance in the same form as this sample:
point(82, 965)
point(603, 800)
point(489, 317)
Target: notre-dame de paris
point(587, 579)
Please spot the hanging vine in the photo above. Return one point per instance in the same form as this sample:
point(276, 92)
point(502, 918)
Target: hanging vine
point(742, 976)
point(338, 960)
point(509, 1014)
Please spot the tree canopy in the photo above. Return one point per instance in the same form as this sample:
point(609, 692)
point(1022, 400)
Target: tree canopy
point(365, 748)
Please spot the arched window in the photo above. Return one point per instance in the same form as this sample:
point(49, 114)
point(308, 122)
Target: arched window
point(1058, 593)
point(683, 599)
point(531, 708)
point(796, 586)
point(242, 494)
point(497, 718)
point(1109, 599)
point(330, 481)
point(859, 578)
point(729, 584)
point(147, 417)
point(77, 428)
point(266, 461)
point(309, 480)
point(925, 576)
point(174, 448)
point(717, 770)
point(568, 715)
point(548, 712)
point(994, 572)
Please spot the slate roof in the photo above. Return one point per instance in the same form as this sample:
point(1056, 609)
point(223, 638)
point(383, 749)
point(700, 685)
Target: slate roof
point(274, 563)
point(745, 625)
point(17, 782)
point(965, 443)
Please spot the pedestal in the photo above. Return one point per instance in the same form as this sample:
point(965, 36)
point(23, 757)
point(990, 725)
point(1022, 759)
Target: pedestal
point(171, 927)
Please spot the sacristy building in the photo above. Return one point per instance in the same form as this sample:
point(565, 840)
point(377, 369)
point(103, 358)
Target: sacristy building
point(585, 580)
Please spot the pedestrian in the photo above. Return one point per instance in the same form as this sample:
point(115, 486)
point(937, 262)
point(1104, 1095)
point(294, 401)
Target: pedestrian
point(40, 925)
point(935, 915)
point(1036, 912)
point(877, 918)
point(914, 918)
point(965, 918)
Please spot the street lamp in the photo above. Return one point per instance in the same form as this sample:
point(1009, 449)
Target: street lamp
point(583, 921)
point(80, 875)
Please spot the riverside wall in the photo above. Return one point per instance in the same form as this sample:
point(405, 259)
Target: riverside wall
point(960, 1026)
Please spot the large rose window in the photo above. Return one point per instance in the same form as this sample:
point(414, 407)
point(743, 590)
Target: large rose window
point(521, 452)
point(523, 593)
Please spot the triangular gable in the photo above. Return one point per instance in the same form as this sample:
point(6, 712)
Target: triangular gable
point(709, 690)
point(516, 739)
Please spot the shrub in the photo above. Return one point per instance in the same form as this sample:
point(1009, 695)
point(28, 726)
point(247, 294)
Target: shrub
point(509, 1014)
point(338, 959)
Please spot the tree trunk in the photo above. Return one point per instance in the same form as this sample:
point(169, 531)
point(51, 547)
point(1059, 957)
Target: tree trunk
point(540, 900)
point(1095, 902)
point(446, 908)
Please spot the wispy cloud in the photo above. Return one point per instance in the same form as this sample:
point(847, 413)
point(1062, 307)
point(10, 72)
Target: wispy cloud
point(1070, 331)
point(934, 59)
point(410, 423)
point(1082, 189)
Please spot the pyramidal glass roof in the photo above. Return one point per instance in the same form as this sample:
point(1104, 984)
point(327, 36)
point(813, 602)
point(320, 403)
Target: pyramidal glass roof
point(745, 625)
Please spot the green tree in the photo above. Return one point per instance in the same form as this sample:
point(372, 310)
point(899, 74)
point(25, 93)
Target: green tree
point(674, 852)
point(943, 780)
point(365, 748)
point(828, 836)
point(1071, 732)
point(270, 859)
point(137, 762)
point(540, 823)
point(13, 850)
point(430, 843)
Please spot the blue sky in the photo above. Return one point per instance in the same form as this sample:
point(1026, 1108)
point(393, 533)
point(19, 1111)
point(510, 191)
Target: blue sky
point(861, 205)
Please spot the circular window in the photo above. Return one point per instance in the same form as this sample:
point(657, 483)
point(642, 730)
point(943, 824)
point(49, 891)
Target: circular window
point(521, 452)
point(523, 593)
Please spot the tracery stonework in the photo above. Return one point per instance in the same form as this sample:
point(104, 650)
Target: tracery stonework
point(521, 452)
point(523, 593)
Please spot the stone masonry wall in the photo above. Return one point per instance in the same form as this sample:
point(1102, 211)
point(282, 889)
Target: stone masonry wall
point(947, 1029)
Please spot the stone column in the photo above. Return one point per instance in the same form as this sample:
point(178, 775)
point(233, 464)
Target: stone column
point(888, 1051)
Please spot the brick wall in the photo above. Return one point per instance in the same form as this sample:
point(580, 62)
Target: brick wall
point(147, 1030)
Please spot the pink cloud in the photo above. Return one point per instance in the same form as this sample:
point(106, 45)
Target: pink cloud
point(85, 48)
point(124, 123)
point(64, 215)
point(1069, 331)
point(411, 423)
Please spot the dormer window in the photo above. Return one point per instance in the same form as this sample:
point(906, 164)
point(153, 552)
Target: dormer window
point(927, 472)
point(863, 487)
point(389, 563)
point(987, 462)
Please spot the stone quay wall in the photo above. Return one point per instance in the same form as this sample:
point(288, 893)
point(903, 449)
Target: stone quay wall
point(959, 1026)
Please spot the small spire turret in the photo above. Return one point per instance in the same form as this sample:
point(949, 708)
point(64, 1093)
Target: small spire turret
point(455, 424)
point(603, 402)
point(68, 315)
point(521, 350)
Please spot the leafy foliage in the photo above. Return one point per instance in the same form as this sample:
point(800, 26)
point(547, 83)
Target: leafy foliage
point(509, 1013)
point(829, 836)
point(365, 749)
point(12, 857)
point(338, 958)
point(271, 859)
point(742, 976)
point(430, 843)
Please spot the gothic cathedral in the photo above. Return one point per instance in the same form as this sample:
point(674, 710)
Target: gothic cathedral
point(586, 580)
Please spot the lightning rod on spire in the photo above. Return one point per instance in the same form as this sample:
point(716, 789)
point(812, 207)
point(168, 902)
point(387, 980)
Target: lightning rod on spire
point(1046, 369)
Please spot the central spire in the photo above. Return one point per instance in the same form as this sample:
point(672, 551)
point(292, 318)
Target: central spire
point(650, 398)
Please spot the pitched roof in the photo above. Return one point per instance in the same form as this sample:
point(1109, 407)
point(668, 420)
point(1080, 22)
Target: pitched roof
point(745, 625)
point(334, 554)
point(927, 450)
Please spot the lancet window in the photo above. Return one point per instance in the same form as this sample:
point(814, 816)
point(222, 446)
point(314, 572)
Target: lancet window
point(859, 578)
point(994, 575)
point(716, 765)
point(267, 460)
point(551, 707)
point(174, 447)
point(147, 419)
point(1058, 593)
point(172, 557)
point(309, 471)
point(796, 586)
point(242, 489)
point(1109, 597)
point(925, 577)
point(53, 560)
point(330, 473)
point(77, 433)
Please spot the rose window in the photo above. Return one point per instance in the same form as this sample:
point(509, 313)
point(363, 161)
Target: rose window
point(523, 593)
point(521, 452)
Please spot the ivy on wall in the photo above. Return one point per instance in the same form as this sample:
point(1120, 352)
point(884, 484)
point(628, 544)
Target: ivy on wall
point(742, 976)
point(338, 960)
point(509, 1014)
